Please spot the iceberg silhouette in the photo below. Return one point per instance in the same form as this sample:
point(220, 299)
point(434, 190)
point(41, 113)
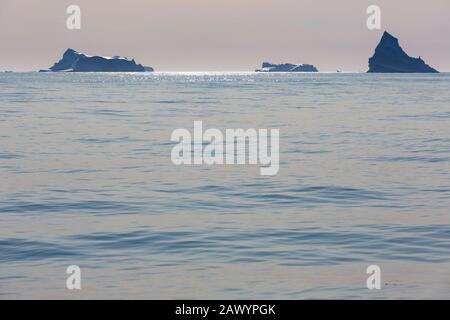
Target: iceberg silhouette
point(389, 57)
point(73, 61)
point(286, 67)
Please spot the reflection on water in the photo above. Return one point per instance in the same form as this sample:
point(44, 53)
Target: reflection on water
point(87, 179)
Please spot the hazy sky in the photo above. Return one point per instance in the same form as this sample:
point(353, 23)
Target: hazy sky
point(226, 35)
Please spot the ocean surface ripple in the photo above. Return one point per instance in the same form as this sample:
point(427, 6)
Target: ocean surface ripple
point(87, 179)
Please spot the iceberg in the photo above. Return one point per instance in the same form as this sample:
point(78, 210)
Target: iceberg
point(73, 61)
point(389, 57)
point(286, 67)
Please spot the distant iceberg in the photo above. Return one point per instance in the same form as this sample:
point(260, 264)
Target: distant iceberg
point(73, 61)
point(286, 67)
point(389, 57)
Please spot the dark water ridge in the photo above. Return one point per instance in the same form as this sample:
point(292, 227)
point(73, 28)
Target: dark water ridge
point(309, 246)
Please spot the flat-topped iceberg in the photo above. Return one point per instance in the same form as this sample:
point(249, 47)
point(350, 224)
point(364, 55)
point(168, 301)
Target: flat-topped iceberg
point(73, 61)
point(389, 57)
point(287, 67)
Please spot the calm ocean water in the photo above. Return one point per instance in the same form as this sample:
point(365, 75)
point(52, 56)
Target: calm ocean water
point(87, 179)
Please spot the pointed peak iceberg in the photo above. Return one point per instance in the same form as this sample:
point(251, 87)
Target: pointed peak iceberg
point(389, 57)
point(388, 37)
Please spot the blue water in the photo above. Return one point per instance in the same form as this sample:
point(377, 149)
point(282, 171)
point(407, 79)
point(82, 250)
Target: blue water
point(87, 179)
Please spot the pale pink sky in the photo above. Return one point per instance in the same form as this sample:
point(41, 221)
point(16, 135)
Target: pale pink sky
point(221, 35)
